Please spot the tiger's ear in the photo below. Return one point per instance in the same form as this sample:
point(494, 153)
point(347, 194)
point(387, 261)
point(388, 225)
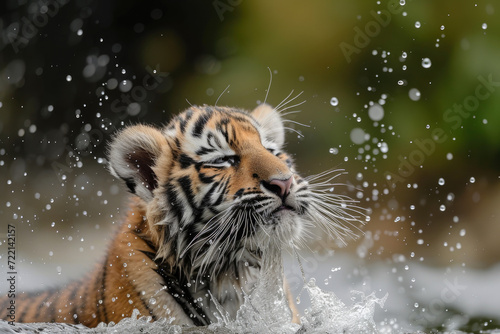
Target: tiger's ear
point(271, 122)
point(133, 155)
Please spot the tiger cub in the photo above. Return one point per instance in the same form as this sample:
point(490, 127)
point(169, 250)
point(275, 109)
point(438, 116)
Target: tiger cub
point(211, 190)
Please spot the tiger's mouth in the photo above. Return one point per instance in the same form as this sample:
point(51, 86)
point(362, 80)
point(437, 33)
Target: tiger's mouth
point(283, 207)
point(280, 214)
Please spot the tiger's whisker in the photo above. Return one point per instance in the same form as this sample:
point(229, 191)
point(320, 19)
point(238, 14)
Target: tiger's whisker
point(283, 103)
point(296, 131)
point(292, 106)
point(270, 82)
point(221, 95)
point(295, 122)
point(279, 105)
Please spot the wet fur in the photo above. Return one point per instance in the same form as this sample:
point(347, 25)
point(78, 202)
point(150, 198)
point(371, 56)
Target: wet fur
point(207, 204)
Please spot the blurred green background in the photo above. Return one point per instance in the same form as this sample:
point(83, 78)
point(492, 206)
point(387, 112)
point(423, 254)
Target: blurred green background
point(73, 72)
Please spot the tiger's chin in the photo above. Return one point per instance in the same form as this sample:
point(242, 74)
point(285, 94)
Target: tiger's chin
point(283, 229)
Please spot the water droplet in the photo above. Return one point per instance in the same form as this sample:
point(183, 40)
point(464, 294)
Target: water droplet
point(472, 179)
point(152, 301)
point(441, 181)
point(357, 136)
point(69, 78)
point(417, 24)
point(449, 156)
point(125, 85)
point(442, 207)
point(134, 109)
point(414, 94)
point(442, 27)
point(404, 55)
point(402, 2)
point(112, 83)
point(484, 26)
point(376, 112)
point(384, 148)
point(125, 265)
point(426, 63)
point(334, 101)
point(462, 232)
point(334, 150)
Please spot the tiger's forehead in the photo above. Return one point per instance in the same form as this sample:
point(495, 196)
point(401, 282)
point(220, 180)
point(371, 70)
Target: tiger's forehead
point(207, 129)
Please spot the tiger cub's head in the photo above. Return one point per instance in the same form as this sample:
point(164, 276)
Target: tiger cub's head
point(217, 186)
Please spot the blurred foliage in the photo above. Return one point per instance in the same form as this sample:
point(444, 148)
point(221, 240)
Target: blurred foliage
point(207, 46)
point(454, 320)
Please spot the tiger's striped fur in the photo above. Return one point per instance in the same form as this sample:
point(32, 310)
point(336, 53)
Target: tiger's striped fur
point(212, 189)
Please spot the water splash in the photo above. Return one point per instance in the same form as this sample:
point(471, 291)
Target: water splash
point(328, 314)
point(265, 310)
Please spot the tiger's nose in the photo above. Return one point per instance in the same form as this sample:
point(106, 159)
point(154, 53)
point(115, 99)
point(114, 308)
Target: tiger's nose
point(279, 187)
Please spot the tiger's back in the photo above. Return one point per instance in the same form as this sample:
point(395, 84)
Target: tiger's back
point(106, 294)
